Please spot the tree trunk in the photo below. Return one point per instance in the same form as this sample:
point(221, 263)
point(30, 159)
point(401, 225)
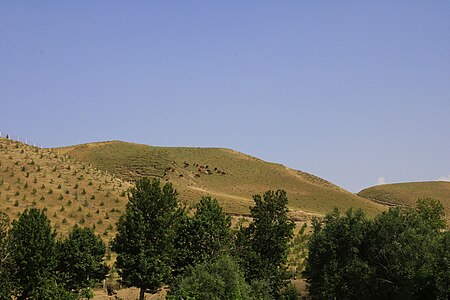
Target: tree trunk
point(141, 294)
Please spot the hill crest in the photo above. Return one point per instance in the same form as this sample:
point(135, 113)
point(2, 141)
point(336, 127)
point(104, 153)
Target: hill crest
point(407, 193)
point(231, 176)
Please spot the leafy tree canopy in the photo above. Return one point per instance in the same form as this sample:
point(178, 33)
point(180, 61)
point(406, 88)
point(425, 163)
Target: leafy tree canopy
point(145, 232)
point(33, 251)
point(263, 246)
point(6, 264)
point(217, 279)
point(81, 259)
point(204, 235)
point(401, 254)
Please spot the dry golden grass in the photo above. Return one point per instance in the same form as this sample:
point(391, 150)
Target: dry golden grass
point(406, 194)
point(231, 177)
point(72, 192)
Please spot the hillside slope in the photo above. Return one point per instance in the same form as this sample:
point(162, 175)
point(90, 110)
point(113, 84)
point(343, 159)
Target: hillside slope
point(71, 191)
point(232, 177)
point(406, 194)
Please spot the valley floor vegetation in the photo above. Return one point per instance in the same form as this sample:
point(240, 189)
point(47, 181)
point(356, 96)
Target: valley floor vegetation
point(403, 253)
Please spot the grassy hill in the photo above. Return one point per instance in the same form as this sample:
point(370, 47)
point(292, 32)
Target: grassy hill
point(406, 194)
point(71, 191)
point(231, 177)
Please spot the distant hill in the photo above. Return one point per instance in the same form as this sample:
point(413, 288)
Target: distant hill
point(71, 191)
point(230, 176)
point(406, 194)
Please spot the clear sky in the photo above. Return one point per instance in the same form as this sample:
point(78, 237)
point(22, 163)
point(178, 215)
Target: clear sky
point(351, 91)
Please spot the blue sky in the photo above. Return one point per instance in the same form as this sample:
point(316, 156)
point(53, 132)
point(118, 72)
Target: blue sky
point(351, 91)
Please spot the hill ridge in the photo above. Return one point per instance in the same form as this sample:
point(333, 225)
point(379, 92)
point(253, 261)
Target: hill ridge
point(407, 193)
point(218, 171)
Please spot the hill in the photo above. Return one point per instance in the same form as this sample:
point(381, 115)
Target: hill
point(406, 194)
point(230, 176)
point(71, 191)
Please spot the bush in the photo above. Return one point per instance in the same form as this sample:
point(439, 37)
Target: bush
point(49, 290)
point(217, 279)
point(290, 293)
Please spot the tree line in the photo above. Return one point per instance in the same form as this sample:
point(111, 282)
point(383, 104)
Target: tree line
point(403, 253)
point(159, 243)
point(197, 255)
point(34, 264)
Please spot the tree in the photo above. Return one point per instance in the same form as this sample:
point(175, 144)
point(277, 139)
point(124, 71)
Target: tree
point(401, 254)
point(33, 251)
point(145, 232)
point(406, 251)
point(204, 235)
point(336, 266)
point(263, 246)
point(432, 212)
point(6, 264)
point(441, 278)
point(298, 252)
point(216, 279)
point(80, 258)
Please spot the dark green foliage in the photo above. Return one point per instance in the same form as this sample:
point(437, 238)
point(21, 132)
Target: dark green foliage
point(144, 240)
point(50, 290)
point(336, 265)
point(81, 259)
point(263, 246)
point(219, 279)
point(204, 235)
point(441, 278)
point(6, 263)
point(290, 293)
point(405, 253)
point(33, 251)
point(431, 212)
point(401, 254)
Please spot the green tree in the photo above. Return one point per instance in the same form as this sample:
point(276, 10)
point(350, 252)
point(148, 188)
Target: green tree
point(204, 235)
point(263, 246)
point(217, 279)
point(48, 289)
point(401, 254)
point(441, 278)
point(298, 252)
point(33, 251)
point(145, 232)
point(336, 267)
point(6, 264)
point(432, 212)
point(405, 248)
point(81, 259)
